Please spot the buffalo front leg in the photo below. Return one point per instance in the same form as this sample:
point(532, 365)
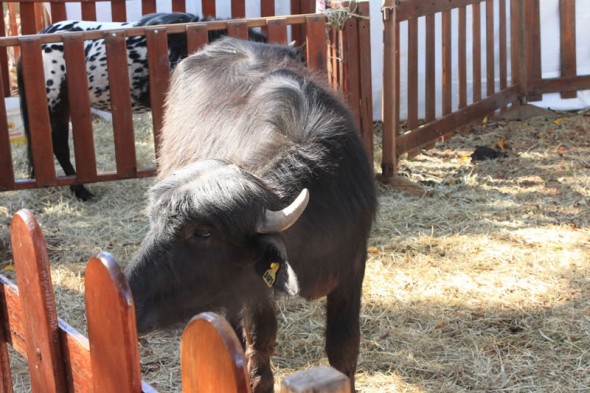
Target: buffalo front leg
point(343, 326)
point(259, 326)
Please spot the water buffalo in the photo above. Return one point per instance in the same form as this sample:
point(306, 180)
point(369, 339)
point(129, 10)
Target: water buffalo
point(98, 83)
point(264, 187)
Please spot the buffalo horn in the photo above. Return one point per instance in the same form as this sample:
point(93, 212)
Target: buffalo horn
point(278, 221)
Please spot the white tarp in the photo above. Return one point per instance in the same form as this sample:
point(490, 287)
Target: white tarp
point(549, 34)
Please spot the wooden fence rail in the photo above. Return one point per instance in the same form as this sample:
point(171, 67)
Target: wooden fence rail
point(511, 55)
point(341, 54)
point(62, 360)
point(466, 109)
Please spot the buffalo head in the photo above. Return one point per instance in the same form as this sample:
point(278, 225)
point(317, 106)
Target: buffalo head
point(214, 243)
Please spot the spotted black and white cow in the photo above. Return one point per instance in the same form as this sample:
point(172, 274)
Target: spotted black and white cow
point(98, 83)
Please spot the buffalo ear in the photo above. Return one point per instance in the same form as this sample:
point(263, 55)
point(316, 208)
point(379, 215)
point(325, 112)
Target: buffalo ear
point(273, 266)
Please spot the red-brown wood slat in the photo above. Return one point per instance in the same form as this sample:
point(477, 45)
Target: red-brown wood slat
point(80, 107)
point(121, 104)
point(14, 321)
point(490, 58)
point(237, 29)
point(3, 28)
point(391, 79)
point(148, 7)
point(5, 374)
point(415, 8)
point(462, 61)
point(38, 115)
point(412, 73)
point(447, 64)
point(88, 10)
point(76, 352)
point(118, 11)
point(159, 66)
point(316, 43)
point(6, 167)
point(452, 121)
point(476, 50)
point(552, 85)
point(276, 31)
point(43, 344)
point(39, 19)
point(4, 73)
point(567, 12)
point(533, 45)
point(178, 6)
point(366, 81)
point(267, 8)
point(27, 18)
point(197, 37)
point(430, 77)
point(503, 44)
point(335, 65)
point(515, 41)
point(211, 357)
point(238, 9)
point(58, 12)
point(297, 31)
point(75, 347)
point(112, 332)
point(209, 8)
point(350, 60)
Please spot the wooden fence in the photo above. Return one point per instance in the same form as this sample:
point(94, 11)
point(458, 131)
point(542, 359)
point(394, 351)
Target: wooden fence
point(512, 72)
point(342, 54)
point(62, 360)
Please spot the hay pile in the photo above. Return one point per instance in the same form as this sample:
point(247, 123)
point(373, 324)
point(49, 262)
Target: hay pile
point(482, 286)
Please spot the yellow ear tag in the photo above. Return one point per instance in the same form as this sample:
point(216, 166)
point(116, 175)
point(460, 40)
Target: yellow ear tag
point(270, 276)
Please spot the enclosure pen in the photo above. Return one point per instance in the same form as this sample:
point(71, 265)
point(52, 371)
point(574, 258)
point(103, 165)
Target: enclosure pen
point(501, 91)
point(62, 360)
point(347, 47)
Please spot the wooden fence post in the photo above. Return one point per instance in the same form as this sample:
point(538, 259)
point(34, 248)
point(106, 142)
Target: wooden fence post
point(114, 354)
point(43, 345)
point(567, 12)
point(532, 32)
point(390, 88)
point(211, 357)
point(5, 374)
point(159, 66)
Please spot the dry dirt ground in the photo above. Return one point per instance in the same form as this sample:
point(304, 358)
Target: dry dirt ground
point(483, 285)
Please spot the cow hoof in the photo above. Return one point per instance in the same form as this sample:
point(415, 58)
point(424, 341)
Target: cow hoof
point(81, 192)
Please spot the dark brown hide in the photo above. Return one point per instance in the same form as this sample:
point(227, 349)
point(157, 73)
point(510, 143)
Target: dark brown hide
point(247, 128)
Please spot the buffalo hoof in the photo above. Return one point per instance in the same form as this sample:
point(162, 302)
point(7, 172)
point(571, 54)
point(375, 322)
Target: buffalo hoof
point(81, 192)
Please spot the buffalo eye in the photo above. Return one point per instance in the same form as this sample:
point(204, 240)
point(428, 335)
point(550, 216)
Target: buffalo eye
point(202, 234)
point(197, 232)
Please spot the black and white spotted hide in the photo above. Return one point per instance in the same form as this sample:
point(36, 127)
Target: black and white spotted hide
point(98, 83)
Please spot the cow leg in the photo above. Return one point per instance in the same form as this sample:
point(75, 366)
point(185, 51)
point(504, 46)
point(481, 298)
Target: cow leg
point(343, 326)
point(259, 326)
point(60, 118)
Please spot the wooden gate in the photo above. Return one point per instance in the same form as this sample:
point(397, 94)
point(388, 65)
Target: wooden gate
point(512, 73)
point(342, 54)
